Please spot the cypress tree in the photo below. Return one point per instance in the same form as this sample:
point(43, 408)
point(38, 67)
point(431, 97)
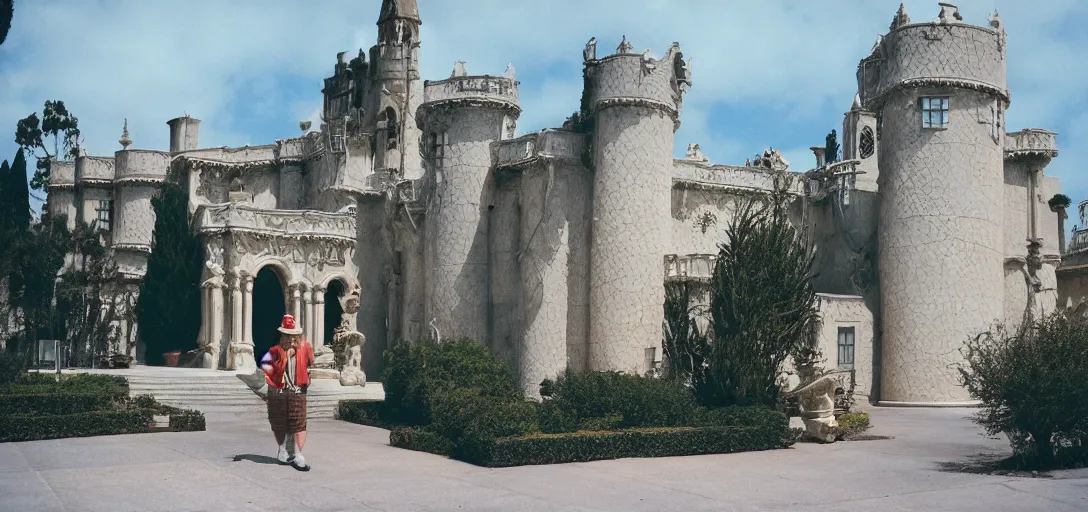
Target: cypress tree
point(18, 191)
point(168, 309)
point(5, 218)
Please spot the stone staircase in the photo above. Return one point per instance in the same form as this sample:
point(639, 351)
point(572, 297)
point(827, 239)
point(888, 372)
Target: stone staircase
point(222, 393)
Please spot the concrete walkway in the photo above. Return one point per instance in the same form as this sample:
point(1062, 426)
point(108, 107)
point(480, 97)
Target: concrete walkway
point(231, 468)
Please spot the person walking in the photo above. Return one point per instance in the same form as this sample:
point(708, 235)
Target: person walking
point(286, 368)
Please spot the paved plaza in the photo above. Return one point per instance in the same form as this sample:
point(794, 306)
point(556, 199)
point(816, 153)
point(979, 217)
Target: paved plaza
point(230, 467)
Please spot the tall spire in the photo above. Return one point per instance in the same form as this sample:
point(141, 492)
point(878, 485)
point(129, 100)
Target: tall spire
point(402, 9)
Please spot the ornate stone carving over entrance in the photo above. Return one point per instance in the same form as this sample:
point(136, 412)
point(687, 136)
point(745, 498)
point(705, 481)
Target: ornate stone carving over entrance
point(307, 250)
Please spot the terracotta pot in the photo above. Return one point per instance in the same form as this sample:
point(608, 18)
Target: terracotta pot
point(171, 358)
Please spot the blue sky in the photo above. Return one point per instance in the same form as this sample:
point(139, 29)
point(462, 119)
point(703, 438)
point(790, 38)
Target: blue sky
point(768, 73)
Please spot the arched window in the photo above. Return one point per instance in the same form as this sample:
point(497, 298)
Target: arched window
point(867, 144)
point(391, 127)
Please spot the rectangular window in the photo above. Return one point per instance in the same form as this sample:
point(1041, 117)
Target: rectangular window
point(438, 149)
point(104, 214)
point(846, 346)
point(934, 112)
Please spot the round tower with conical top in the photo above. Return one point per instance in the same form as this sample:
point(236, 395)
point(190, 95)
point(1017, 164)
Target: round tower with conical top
point(939, 90)
point(634, 103)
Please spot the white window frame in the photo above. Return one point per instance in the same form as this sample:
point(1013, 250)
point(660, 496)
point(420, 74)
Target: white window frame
point(104, 214)
point(846, 343)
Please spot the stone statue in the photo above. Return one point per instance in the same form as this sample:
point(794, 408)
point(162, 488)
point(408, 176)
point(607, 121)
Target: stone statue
point(590, 53)
point(351, 345)
point(624, 47)
point(995, 21)
point(696, 154)
point(649, 64)
point(949, 10)
point(460, 68)
point(510, 73)
point(817, 401)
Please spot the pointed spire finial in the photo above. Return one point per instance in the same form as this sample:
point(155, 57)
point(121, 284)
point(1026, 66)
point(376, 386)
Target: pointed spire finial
point(995, 21)
point(901, 18)
point(125, 140)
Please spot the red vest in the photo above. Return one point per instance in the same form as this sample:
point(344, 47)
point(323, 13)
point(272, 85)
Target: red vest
point(304, 357)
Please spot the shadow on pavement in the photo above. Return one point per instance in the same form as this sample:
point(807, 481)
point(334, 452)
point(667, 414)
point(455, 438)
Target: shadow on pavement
point(259, 459)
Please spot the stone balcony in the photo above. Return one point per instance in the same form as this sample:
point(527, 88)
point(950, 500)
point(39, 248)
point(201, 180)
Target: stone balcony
point(481, 89)
point(543, 145)
point(235, 217)
point(1032, 142)
point(698, 267)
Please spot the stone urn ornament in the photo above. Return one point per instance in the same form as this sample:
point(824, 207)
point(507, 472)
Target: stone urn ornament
point(817, 400)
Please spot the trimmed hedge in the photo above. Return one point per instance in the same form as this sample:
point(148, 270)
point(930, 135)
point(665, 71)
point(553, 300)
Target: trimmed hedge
point(588, 446)
point(32, 427)
point(53, 403)
point(187, 420)
point(852, 424)
point(420, 440)
point(366, 412)
point(613, 400)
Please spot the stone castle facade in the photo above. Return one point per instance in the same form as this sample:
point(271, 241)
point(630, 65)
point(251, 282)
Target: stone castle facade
point(553, 247)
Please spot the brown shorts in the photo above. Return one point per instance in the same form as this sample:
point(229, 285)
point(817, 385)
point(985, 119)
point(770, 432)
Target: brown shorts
point(286, 411)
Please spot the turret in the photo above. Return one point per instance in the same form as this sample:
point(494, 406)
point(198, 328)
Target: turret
point(938, 90)
point(460, 118)
point(395, 89)
point(138, 176)
point(184, 133)
point(633, 101)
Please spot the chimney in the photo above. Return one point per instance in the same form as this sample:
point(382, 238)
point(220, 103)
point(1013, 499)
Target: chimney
point(184, 133)
point(819, 152)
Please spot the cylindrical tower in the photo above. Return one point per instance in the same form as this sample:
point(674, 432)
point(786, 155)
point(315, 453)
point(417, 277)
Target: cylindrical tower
point(635, 101)
point(62, 191)
point(184, 133)
point(460, 118)
point(139, 174)
point(939, 89)
point(396, 89)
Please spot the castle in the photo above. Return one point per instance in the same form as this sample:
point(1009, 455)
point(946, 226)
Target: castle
point(553, 247)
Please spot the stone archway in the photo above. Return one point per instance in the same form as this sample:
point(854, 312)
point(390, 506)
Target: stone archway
point(269, 306)
point(333, 309)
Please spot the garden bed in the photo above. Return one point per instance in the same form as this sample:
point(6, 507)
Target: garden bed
point(39, 406)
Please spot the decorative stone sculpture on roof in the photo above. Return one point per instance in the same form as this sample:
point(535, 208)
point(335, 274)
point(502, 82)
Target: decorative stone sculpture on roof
point(995, 21)
point(510, 73)
point(590, 53)
point(125, 140)
point(624, 47)
point(460, 68)
point(901, 18)
point(695, 154)
point(771, 159)
point(649, 64)
point(949, 13)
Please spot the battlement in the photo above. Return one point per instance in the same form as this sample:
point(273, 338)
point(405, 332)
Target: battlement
point(1031, 142)
point(480, 90)
point(141, 166)
point(216, 218)
point(544, 145)
point(942, 53)
point(62, 174)
point(627, 78)
point(94, 170)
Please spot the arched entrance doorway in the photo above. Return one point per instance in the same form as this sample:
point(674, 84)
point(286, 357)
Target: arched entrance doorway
point(269, 306)
point(333, 310)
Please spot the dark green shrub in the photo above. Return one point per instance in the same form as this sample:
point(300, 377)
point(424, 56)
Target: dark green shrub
point(554, 420)
point(420, 440)
point(414, 372)
point(1032, 385)
point(57, 403)
point(187, 420)
point(11, 367)
point(851, 424)
point(741, 416)
point(366, 412)
point(459, 414)
point(587, 446)
point(30, 427)
point(611, 400)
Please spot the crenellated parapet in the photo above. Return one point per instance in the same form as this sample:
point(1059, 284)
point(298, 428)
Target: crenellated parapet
point(471, 91)
point(942, 53)
point(1031, 142)
point(636, 79)
point(546, 145)
point(141, 166)
point(94, 170)
point(62, 175)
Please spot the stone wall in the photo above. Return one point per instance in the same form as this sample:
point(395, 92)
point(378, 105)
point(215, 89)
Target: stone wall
point(848, 311)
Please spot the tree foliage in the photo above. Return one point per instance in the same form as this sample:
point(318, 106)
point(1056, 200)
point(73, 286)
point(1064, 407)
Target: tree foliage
point(762, 310)
point(7, 13)
point(1032, 384)
point(33, 135)
point(168, 309)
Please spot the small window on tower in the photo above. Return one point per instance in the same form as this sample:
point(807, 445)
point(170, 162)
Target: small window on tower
point(438, 149)
point(103, 214)
point(934, 112)
point(995, 121)
point(867, 143)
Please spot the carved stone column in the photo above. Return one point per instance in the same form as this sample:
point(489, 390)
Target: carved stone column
point(215, 311)
point(318, 338)
point(295, 299)
point(308, 314)
point(205, 315)
point(235, 310)
point(247, 309)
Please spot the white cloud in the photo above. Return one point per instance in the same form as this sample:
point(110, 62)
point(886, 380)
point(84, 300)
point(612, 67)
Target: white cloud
point(788, 61)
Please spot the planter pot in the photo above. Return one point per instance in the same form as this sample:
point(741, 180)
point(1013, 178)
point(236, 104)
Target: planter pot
point(172, 358)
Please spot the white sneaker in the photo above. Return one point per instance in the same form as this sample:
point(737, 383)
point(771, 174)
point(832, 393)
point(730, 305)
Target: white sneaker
point(299, 462)
point(283, 456)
